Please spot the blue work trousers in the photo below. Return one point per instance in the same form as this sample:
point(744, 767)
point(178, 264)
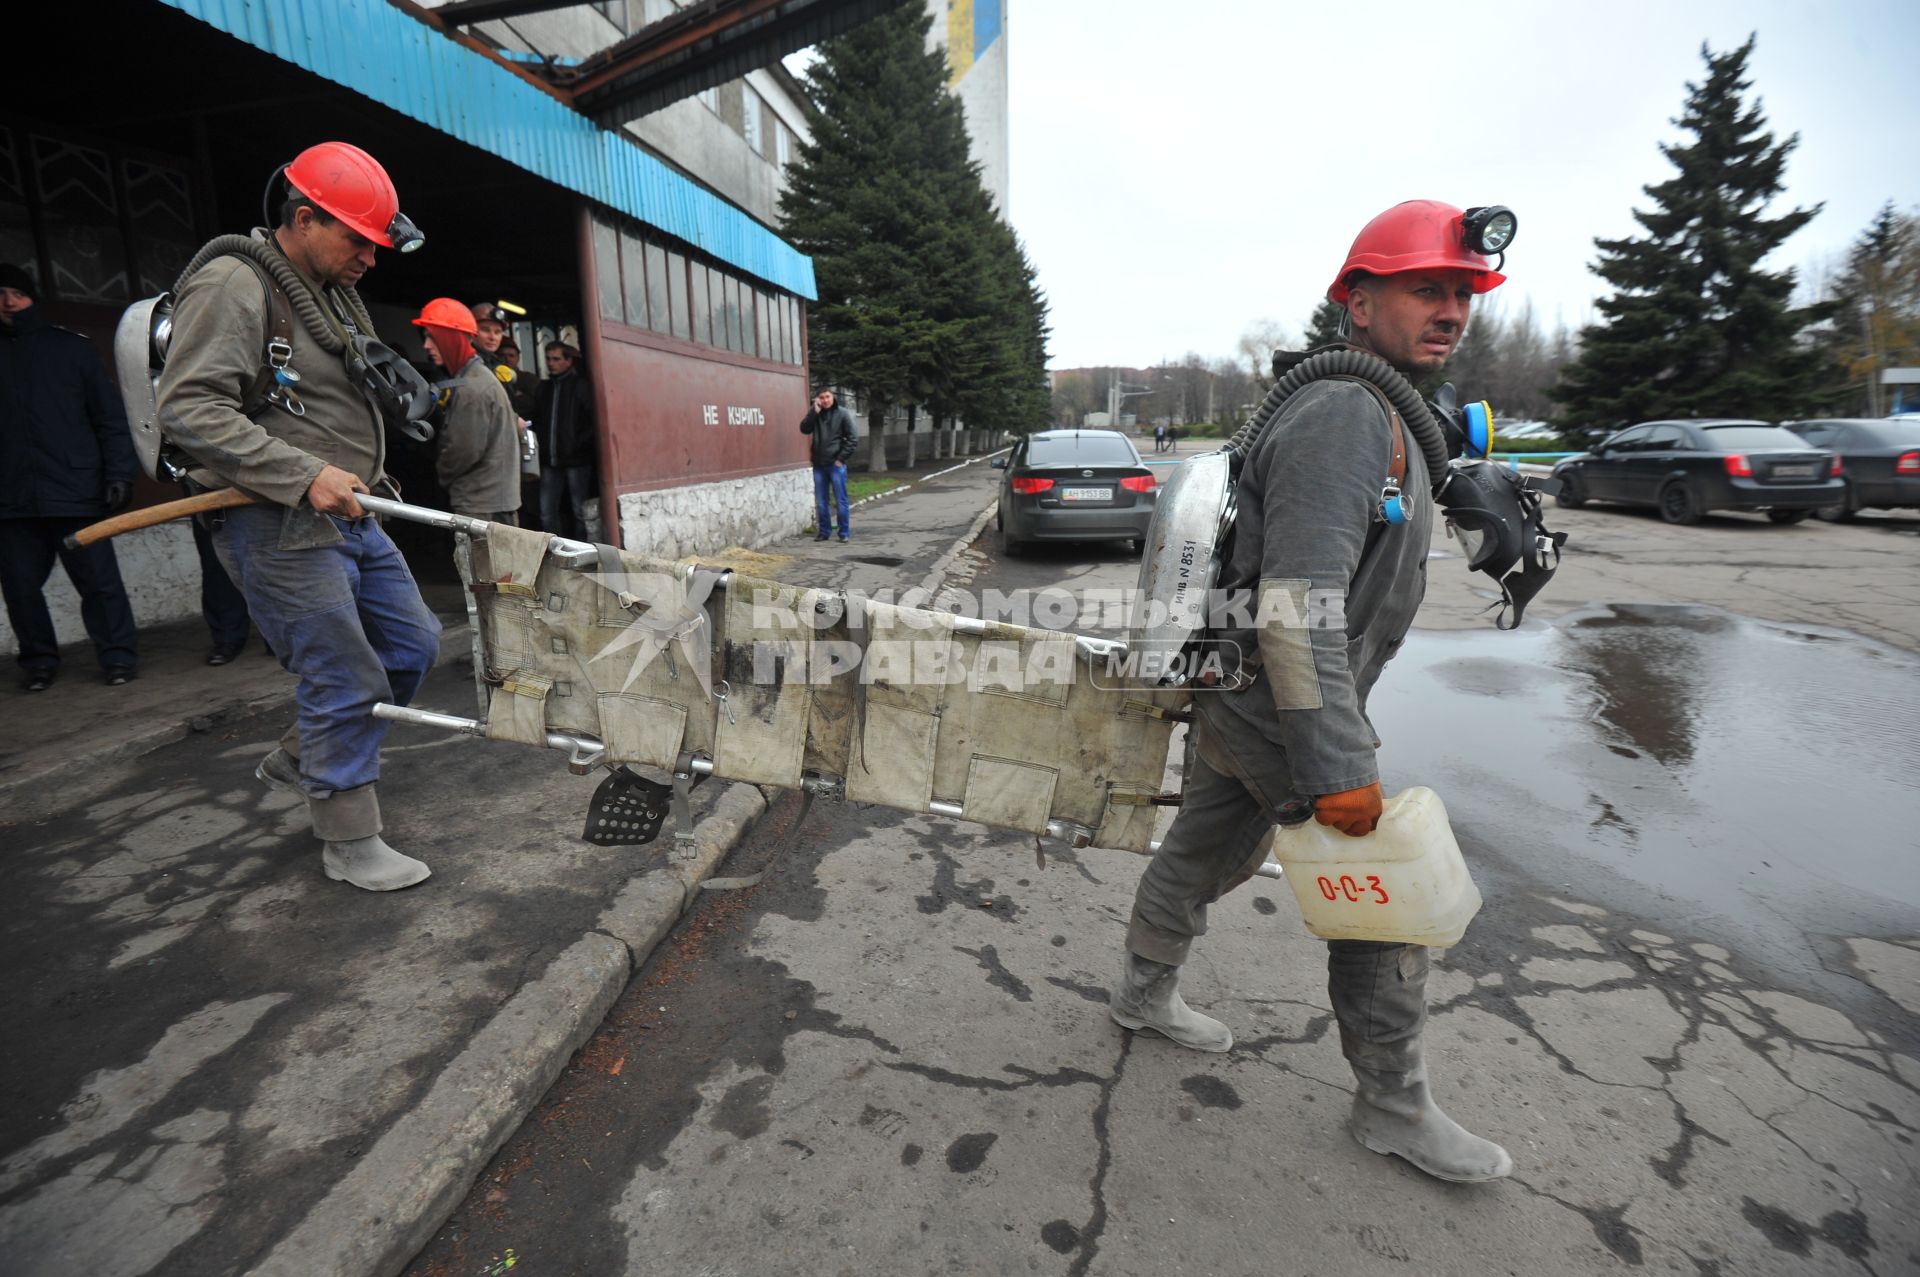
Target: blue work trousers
point(348, 620)
point(829, 483)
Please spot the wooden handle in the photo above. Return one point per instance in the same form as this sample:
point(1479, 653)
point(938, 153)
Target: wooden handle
point(166, 512)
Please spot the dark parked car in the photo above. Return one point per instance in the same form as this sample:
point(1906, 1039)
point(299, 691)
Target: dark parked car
point(1879, 461)
point(1685, 468)
point(1074, 485)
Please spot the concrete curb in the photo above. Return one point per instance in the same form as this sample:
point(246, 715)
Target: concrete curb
point(396, 1197)
point(938, 572)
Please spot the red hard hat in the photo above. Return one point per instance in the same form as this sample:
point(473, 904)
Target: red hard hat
point(1416, 235)
point(444, 312)
point(351, 185)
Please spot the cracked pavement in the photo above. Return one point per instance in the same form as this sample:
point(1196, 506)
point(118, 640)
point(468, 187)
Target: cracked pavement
point(1687, 1007)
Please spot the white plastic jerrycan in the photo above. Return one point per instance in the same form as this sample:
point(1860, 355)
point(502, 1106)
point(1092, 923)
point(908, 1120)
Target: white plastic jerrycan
point(1404, 883)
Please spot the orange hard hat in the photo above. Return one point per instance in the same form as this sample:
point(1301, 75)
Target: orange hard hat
point(350, 184)
point(445, 312)
point(1415, 235)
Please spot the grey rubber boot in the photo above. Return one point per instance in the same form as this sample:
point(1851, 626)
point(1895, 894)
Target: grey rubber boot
point(1395, 1113)
point(1148, 997)
point(1379, 996)
point(368, 863)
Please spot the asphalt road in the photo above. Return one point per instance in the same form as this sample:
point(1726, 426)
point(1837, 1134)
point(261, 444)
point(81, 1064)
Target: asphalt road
point(1687, 1006)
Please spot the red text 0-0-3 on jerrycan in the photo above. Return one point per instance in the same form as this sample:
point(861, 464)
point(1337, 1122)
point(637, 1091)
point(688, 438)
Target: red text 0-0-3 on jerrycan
point(1404, 883)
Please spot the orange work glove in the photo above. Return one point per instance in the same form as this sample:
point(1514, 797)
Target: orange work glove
point(1354, 812)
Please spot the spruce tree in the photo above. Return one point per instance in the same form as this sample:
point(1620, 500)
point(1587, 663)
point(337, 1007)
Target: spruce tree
point(925, 295)
point(1324, 328)
point(1695, 327)
point(1876, 322)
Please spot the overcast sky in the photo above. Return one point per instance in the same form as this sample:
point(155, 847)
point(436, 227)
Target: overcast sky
point(1182, 170)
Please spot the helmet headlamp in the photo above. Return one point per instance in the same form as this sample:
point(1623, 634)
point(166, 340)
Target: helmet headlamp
point(405, 235)
point(1489, 230)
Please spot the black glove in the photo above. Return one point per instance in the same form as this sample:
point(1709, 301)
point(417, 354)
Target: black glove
point(119, 495)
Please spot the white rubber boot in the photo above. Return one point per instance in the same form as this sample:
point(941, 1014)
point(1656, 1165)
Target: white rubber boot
point(1148, 997)
point(1395, 1113)
point(368, 863)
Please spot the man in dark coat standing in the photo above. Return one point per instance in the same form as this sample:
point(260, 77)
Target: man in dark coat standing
point(833, 440)
point(563, 419)
point(66, 460)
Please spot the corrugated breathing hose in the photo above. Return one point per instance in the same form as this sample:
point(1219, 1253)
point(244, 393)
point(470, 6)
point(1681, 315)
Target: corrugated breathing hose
point(1347, 362)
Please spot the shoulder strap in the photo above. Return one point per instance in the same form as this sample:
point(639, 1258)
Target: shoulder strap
point(278, 348)
point(1397, 465)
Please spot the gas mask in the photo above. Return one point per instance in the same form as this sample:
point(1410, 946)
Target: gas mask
point(1496, 517)
point(395, 388)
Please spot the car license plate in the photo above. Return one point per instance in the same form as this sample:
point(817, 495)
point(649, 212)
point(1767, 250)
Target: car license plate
point(1086, 494)
point(1793, 472)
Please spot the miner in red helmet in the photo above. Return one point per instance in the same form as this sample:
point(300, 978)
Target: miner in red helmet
point(1326, 568)
point(273, 385)
point(479, 457)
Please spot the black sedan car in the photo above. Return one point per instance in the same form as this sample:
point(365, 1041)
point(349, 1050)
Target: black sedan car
point(1683, 469)
point(1074, 485)
point(1879, 461)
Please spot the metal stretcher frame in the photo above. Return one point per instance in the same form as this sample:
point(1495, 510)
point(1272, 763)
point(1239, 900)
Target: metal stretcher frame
point(557, 665)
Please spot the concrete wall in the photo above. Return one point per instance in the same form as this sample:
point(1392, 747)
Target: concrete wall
point(162, 574)
point(703, 517)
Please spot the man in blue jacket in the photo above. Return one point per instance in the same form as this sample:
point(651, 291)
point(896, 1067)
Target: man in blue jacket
point(66, 460)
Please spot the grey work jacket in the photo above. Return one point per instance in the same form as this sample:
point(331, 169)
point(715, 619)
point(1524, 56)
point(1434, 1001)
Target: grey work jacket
point(479, 458)
point(1338, 588)
point(219, 336)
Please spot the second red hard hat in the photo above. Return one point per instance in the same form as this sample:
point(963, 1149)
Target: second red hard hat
point(445, 312)
point(1415, 235)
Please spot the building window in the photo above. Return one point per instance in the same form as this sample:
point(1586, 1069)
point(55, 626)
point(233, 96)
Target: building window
point(163, 235)
point(797, 322)
point(782, 143)
point(718, 307)
point(633, 269)
point(614, 11)
point(657, 307)
point(752, 121)
point(711, 96)
point(81, 212)
point(702, 316)
point(677, 296)
point(606, 269)
point(761, 336)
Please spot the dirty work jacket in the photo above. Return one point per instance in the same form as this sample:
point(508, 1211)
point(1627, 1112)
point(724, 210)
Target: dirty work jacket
point(219, 336)
point(833, 435)
point(1306, 540)
point(63, 430)
point(479, 458)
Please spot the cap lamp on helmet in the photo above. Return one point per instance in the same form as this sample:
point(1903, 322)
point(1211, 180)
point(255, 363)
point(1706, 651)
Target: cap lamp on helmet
point(352, 187)
point(1429, 235)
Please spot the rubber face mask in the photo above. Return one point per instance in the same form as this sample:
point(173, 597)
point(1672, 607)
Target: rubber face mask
point(1496, 517)
point(395, 387)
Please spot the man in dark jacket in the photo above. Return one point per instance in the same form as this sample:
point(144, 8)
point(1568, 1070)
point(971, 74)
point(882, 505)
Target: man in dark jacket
point(563, 418)
point(1310, 529)
point(66, 460)
point(833, 439)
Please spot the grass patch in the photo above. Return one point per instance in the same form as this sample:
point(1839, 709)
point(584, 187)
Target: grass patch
point(869, 486)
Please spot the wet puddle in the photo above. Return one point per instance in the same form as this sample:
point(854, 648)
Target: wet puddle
point(1683, 763)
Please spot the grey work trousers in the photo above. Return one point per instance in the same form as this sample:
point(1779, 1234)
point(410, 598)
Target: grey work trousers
point(1378, 991)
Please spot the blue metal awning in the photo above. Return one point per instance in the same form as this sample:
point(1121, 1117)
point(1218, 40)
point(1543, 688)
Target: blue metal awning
point(378, 51)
